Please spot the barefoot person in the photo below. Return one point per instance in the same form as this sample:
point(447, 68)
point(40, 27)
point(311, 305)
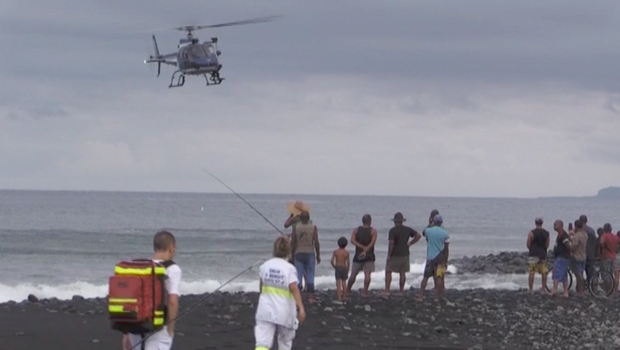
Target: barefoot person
point(437, 254)
point(579, 241)
point(164, 245)
point(340, 262)
point(294, 209)
point(561, 251)
point(398, 252)
point(278, 301)
point(537, 244)
point(306, 251)
point(363, 238)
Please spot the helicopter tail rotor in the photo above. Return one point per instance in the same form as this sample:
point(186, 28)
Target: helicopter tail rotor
point(157, 55)
point(157, 58)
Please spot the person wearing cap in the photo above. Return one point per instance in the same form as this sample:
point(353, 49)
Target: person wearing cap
point(591, 253)
point(398, 251)
point(609, 247)
point(436, 257)
point(537, 244)
point(431, 220)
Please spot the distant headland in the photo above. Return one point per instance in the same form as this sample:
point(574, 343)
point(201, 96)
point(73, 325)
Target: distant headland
point(609, 193)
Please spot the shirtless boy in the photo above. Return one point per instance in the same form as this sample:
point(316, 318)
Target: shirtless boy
point(341, 262)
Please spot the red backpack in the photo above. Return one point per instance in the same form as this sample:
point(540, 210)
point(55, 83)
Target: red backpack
point(137, 298)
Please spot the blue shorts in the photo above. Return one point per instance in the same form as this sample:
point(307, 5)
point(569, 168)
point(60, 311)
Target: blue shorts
point(560, 270)
point(578, 268)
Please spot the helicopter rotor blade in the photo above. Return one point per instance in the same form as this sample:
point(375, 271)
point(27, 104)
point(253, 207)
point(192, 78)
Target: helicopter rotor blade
point(248, 21)
point(155, 48)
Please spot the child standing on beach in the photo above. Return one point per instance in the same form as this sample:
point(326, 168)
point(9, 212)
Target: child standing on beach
point(341, 262)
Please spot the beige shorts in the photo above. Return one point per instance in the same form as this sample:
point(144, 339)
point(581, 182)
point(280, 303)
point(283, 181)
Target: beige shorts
point(398, 264)
point(367, 267)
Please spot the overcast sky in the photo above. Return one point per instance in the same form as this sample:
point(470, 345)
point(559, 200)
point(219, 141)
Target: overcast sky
point(423, 98)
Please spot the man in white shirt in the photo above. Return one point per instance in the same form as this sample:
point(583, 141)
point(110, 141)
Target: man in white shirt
point(164, 245)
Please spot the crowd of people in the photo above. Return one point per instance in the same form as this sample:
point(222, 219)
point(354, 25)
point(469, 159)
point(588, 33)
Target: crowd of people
point(577, 249)
point(306, 252)
point(291, 270)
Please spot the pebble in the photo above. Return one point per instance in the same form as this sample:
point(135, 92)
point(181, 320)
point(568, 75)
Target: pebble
point(472, 317)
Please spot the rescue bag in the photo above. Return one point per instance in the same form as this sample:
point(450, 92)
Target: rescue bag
point(137, 296)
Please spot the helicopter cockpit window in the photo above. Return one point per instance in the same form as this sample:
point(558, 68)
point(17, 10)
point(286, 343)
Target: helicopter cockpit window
point(209, 50)
point(197, 51)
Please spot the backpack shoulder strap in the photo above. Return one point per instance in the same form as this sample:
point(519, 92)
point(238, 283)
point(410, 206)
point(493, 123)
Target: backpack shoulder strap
point(168, 263)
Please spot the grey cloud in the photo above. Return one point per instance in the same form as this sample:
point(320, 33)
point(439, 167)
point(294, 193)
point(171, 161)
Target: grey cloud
point(362, 95)
point(481, 41)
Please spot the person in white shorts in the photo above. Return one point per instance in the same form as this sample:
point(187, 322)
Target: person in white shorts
point(279, 300)
point(164, 244)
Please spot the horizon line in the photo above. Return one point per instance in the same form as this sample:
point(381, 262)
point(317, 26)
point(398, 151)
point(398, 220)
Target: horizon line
point(290, 194)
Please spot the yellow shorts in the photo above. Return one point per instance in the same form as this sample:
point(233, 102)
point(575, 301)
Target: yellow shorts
point(537, 265)
point(440, 270)
point(434, 268)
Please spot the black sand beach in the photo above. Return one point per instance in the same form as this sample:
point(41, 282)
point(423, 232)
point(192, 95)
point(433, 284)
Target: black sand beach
point(472, 319)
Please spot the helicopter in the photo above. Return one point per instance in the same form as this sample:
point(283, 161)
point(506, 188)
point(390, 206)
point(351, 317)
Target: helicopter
point(194, 57)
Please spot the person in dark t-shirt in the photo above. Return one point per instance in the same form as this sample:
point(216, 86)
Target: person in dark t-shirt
point(398, 251)
point(561, 252)
point(537, 243)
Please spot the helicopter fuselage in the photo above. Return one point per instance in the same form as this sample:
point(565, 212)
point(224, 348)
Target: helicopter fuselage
point(196, 58)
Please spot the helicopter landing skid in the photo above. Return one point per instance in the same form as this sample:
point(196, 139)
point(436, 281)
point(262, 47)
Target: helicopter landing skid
point(212, 79)
point(180, 80)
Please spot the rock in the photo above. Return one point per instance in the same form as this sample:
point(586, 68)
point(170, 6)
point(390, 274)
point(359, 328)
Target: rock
point(95, 341)
point(367, 308)
point(77, 298)
point(32, 298)
point(328, 309)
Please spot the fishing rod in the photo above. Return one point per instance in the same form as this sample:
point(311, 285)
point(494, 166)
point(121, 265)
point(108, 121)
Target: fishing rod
point(246, 202)
point(202, 300)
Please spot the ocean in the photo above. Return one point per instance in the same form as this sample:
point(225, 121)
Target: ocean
point(65, 243)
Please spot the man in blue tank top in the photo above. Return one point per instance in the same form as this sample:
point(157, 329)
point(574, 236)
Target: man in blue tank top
point(436, 257)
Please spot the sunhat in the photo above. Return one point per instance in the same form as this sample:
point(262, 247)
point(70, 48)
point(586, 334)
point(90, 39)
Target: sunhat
point(297, 207)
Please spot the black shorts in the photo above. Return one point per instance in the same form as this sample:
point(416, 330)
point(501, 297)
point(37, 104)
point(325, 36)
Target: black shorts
point(342, 273)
